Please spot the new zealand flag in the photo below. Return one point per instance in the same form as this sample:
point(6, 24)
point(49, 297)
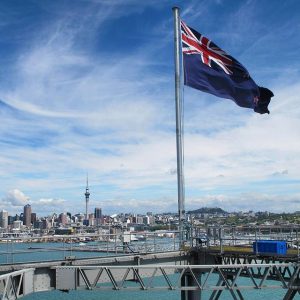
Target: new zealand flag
point(210, 69)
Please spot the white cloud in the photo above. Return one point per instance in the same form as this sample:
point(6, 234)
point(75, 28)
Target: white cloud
point(248, 201)
point(114, 117)
point(16, 198)
point(49, 201)
point(46, 206)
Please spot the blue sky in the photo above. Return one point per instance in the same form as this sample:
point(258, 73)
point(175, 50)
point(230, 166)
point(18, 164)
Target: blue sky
point(87, 86)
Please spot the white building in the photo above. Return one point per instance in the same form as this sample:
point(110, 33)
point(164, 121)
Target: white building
point(17, 224)
point(3, 219)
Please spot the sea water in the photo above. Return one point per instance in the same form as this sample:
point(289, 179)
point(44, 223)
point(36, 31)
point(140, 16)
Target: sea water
point(36, 252)
point(31, 251)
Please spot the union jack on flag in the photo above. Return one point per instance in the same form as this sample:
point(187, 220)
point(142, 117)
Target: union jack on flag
point(195, 43)
point(210, 69)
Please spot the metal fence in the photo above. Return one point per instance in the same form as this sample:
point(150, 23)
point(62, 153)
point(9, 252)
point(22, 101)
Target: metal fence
point(196, 279)
point(186, 278)
point(230, 237)
point(48, 248)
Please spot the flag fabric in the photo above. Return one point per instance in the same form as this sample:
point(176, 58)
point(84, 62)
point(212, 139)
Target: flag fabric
point(210, 69)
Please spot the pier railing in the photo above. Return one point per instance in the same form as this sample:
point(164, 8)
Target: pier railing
point(226, 238)
point(59, 247)
point(221, 239)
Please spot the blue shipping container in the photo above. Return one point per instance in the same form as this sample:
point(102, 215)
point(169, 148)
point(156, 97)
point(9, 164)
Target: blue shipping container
point(269, 246)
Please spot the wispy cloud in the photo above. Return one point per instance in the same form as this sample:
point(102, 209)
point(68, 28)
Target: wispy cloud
point(71, 106)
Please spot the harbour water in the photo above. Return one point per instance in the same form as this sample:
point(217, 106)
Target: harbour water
point(31, 252)
point(26, 251)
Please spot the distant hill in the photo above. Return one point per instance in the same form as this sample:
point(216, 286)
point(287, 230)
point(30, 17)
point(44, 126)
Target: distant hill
point(208, 210)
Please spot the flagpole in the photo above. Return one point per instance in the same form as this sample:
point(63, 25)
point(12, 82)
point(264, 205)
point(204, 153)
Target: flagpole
point(178, 106)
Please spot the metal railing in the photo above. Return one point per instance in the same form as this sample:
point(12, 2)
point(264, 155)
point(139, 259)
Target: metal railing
point(16, 284)
point(213, 278)
point(48, 248)
point(221, 237)
point(51, 248)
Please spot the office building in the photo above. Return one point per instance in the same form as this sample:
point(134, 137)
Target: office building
point(27, 215)
point(98, 216)
point(3, 219)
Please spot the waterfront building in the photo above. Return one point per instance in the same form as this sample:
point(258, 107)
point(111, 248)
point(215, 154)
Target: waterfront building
point(33, 218)
point(37, 224)
point(3, 219)
point(139, 220)
point(64, 230)
point(46, 224)
point(79, 218)
point(91, 220)
point(27, 215)
point(151, 220)
point(63, 219)
point(11, 220)
point(146, 220)
point(17, 224)
point(69, 216)
point(98, 216)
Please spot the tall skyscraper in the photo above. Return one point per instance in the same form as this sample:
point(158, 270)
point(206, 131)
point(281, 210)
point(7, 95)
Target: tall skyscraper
point(91, 220)
point(33, 218)
point(3, 219)
point(98, 216)
point(87, 197)
point(27, 215)
point(63, 218)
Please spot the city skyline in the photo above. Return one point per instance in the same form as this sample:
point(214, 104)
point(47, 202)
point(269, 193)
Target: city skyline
point(88, 87)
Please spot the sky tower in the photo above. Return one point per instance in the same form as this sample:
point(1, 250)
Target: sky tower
point(87, 197)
